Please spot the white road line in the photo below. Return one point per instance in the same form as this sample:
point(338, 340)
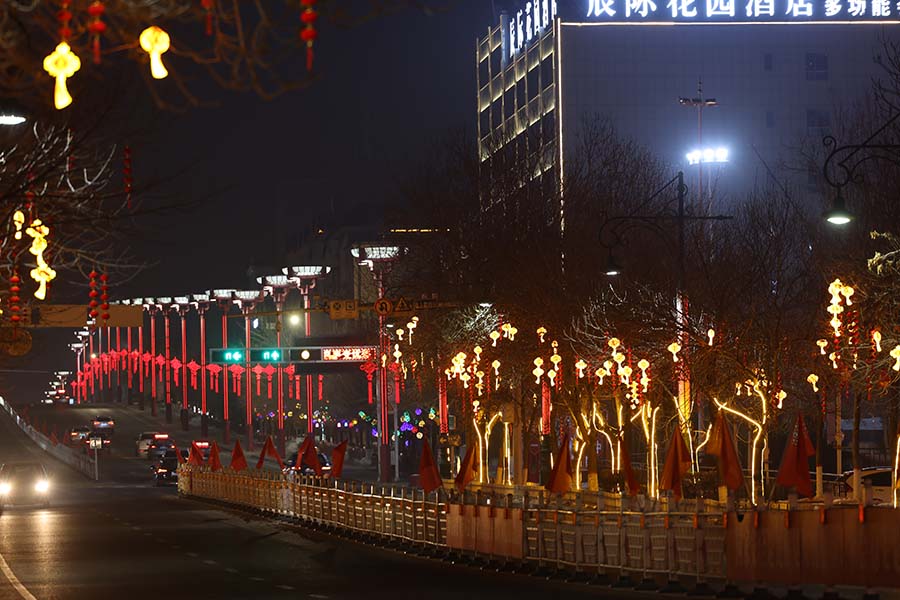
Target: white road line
point(230, 570)
point(210, 562)
point(17, 585)
point(285, 587)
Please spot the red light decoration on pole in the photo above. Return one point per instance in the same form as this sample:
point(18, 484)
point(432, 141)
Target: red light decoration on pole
point(545, 408)
point(369, 369)
point(96, 27)
point(208, 7)
point(442, 398)
point(309, 32)
point(104, 301)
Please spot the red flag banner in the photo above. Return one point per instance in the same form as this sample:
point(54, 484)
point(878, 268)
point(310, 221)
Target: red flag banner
point(238, 460)
point(721, 445)
point(308, 456)
point(794, 470)
point(195, 457)
point(468, 470)
point(53, 439)
point(337, 459)
point(678, 463)
point(560, 480)
point(429, 476)
point(269, 450)
point(631, 482)
point(178, 455)
point(214, 462)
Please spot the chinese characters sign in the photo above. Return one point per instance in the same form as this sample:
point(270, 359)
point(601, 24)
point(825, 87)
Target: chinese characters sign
point(528, 24)
point(741, 10)
point(349, 354)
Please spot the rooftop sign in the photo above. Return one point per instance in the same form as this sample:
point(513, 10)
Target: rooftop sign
point(740, 11)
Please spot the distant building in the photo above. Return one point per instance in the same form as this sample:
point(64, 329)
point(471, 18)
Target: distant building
point(779, 70)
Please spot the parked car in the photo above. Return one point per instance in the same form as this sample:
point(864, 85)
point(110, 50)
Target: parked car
point(24, 483)
point(881, 479)
point(144, 440)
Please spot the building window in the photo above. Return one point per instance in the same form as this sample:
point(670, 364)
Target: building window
point(547, 72)
point(496, 114)
point(485, 122)
point(770, 119)
point(767, 62)
point(509, 103)
point(817, 120)
point(533, 84)
point(548, 127)
point(816, 67)
point(496, 55)
point(483, 75)
point(521, 97)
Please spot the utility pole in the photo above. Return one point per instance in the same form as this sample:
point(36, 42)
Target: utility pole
point(699, 103)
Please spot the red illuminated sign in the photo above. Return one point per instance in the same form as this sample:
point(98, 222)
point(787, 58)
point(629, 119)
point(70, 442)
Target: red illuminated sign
point(349, 354)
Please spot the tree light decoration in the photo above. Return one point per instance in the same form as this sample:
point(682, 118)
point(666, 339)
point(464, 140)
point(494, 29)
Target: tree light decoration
point(42, 273)
point(410, 326)
point(551, 374)
point(61, 64)
point(813, 380)
point(400, 333)
point(614, 343)
point(780, 396)
point(541, 331)
point(495, 335)
point(895, 354)
point(711, 334)
point(759, 431)
point(397, 353)
point(19, 222)
point(538, 371)
point(556, 359)
point(643, 365)
point(580, 366)
point(847, 292)
point(505, 329)
point(601, 374)
point(496, 367)
point(876, 338)
point(822, 344)
point(511, 334)
point(477, 350)
point(674, 348)
point(155, 42)
point(833, 358)
point(626, 374)
point(619, 358)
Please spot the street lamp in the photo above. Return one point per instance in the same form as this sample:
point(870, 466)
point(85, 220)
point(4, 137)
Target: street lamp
point(838, 215)
point(278, 287)
point(304, 277)
point(378, 258)
point(165, 303)
point(78, 349)
point(11, 113)
point(182, 306)
point(225, 299)
point(201, 303)
point(247, 301)
point(152, 309)
point(612, 266)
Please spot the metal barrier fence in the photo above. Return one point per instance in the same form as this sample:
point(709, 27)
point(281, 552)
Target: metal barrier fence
point(77, 460)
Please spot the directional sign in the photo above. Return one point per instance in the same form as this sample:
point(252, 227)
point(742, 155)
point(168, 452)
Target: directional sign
point(343, 309)
point(384, 307)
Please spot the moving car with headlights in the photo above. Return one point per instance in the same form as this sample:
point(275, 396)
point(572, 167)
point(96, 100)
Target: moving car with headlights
point(103, 423)
point(204, 447)
point(145, 439)
point(24, 483)
point(158, 447)
point(105, 437)
point(165, 472)
point(78, 435)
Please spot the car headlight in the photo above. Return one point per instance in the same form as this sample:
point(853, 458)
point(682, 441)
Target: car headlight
point(5, 488)
point(42, 486)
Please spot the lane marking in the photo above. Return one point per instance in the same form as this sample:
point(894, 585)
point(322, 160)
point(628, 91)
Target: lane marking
point(230, 570)
point(285, 587)
point(256, 579)
point(192, 554)
point(17, 585)
point(209, 562)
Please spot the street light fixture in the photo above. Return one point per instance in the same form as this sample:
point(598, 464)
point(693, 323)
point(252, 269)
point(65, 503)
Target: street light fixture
point(225, 299)
point(612, 266)
point(246, 301)
point(838, 215)
point(11, 113)
point(182, 305)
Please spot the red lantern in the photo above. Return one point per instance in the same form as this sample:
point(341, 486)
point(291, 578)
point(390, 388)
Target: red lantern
point(93, 295)
point(96, 27)
point(104, 298)
point(309, 33)
point(208, 6)
point(369, 369)
point(14, 299)
point(64, 16)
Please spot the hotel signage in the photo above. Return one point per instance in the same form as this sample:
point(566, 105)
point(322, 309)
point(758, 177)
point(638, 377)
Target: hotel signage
point(741, 11)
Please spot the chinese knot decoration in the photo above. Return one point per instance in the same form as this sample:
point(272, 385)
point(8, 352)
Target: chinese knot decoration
point(208, 6)
point(309, 33)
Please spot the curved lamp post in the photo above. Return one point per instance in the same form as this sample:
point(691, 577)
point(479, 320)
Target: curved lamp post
point(182, 306)
point(247, 301)
point(152, 308)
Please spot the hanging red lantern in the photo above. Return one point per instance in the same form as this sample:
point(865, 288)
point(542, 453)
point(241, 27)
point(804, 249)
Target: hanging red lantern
point(14, 299)
point(64, 16)
point(208, 6)
point(93, 295)
point(309, 33)
point(104, 298)
point(96, 27)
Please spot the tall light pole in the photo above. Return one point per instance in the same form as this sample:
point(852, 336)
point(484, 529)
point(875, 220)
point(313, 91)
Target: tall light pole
point(152, 309)
point(225, 299)
point(182, 306)
point(129, 358)
point(278, 287)
point(165, 304)
point(247, 301)
point(379, 258)
point(140, 355)
point(202, 302)
point(699, 103)
point(78, 349)
point(304, 278)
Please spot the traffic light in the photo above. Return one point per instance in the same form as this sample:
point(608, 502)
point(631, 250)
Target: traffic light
point(268, 355)
point(227, 356)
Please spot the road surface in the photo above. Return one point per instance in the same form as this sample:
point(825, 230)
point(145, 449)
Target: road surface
point(123, 538)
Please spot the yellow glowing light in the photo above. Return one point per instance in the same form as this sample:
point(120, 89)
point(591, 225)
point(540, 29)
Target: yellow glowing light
point(537, 372)
point(822, 344)
point(19, 222)
point(511, 334)
point(780, 396)
point(834, 288)
point(397, 353)
point(674, 348)
point(496, 366)
point(61, 64)
point(400, 333)
point(552, 375)
point(580, 366)
point(847, 292)
point(601, 374)
point(495, 335)
point(896, 473)
point(626, 374)
point(876, 338)
point(619, 358)
point(42, 273)
point(702, 444)
point(155, 42)
point(643, 365)
point(833, 358)
point(477, 350)
point(759, 431)
point(813, 379)
point(895, 354)
point(542, 331)
point(480, 451)
point(410, 326)
point(711, 334)
point(556, 359)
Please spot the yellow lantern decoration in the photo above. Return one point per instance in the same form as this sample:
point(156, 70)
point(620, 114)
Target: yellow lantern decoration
point(552, 375)
point(61, 64)
point(538, 371)
point(495, 335)
point(19, 222)
point(674, 348)
point(556, 359)
point(643, 365)
point(155, 42)
point(847, 292)
point(496, 366)
point(511, 334)
point(580, 366)
point(833, 358)
point(542, 331)
point(601, 374)
point(876, 337)
point(711, 334)
point(465, 377)
point(780, 396)
point(477, 350)
point(397, 353)
point(400, 334)
point(619, 358)
point(42, 273)
point(614, 343)
point(626, 374)
point(813, 379)
point(410, 326)
point(822, 344)
point(895, 354)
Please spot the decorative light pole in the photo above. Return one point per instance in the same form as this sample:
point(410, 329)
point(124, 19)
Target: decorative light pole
point(278, 287)
point(78, 349)
point(225, 299)
point(247, 301)
point(201, 303)
point(182, 306)
point(165, 304)
point(379, 259)
point(152, 309)
point(304, 278)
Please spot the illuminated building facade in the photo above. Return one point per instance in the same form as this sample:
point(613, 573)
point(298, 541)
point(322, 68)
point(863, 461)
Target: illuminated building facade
point(780, 71)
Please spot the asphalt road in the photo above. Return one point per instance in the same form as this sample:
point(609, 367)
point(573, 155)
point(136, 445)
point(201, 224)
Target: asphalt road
point(124, 538)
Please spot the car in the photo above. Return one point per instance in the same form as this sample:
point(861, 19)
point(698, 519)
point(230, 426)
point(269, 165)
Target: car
point(104, 423)
point(77, 435)
point(204, 447)
point(144, 440)
point(880, 478)
point(290, 466)
point(24, 483)
point(165, 472)
point(157, 448)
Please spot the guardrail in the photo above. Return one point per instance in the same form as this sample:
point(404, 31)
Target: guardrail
point(77, 460)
